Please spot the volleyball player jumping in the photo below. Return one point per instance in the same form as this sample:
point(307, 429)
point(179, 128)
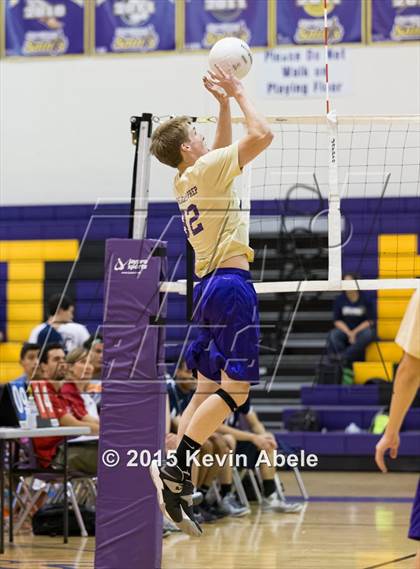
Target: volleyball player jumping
point(225, 353)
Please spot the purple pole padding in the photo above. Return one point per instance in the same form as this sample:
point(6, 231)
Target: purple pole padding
point(128, 519)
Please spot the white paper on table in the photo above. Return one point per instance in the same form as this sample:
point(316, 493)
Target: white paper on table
point(83, 439)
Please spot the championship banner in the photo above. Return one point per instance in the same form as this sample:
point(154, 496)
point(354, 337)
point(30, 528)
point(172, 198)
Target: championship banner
point(207, 21)
point(123, 26)
point(394, 20)
point(302, 21)
point(44, 27)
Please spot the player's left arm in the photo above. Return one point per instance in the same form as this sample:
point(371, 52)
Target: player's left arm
point(223, 135)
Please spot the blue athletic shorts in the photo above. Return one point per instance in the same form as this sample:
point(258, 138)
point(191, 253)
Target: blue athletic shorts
point(414, 532)
point(226, 312)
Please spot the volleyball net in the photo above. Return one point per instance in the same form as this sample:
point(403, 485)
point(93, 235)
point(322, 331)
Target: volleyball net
point(331, 195)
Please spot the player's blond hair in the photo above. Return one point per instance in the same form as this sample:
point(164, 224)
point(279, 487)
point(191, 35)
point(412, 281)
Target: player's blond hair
point(167, 140)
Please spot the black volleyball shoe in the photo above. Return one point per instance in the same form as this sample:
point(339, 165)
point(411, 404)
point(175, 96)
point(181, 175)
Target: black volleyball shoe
point(175, 496)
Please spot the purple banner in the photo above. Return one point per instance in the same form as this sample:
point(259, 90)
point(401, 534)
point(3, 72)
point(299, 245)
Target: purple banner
point(44, 27)
point(302, 21)
point(123, 26)
point(395, 20)
point(207, 21)
point(128, 519)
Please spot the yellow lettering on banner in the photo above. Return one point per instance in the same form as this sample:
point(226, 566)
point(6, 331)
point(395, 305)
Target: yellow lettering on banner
point(406, 31)
point(148, 42)
point(39, 46)
point(212, 37)
point(309, 33)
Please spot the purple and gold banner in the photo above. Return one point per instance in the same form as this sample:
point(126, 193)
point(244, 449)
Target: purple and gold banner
point(123, 26)
point(301, 22)
point(207, 21)
point(44, 27)
point(394, 20)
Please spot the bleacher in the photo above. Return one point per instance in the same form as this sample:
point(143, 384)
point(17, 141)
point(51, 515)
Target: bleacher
point(336, 407)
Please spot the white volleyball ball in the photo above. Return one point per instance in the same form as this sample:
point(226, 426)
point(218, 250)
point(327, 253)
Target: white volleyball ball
point(233, 55)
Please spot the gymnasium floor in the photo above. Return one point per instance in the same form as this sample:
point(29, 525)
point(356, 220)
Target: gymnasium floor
point(356, 521)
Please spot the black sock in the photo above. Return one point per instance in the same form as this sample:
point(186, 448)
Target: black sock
point(189, 446)
point(269, 487)
point(225, 489)
point(204, 489)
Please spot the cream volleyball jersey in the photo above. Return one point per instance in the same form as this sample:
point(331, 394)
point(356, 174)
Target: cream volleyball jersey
point(408, 336)
point(210, 209)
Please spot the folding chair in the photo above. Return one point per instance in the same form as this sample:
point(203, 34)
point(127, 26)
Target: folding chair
point(237, 485)
point(26, 495)
point(286, 449)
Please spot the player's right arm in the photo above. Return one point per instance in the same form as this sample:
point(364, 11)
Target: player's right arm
point(259, 135)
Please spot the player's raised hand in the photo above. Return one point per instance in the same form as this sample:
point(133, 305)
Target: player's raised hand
point(229, 83)
point(217, 92)
point(391, 442)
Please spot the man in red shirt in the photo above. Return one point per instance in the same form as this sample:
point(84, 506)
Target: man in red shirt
point(53, 406)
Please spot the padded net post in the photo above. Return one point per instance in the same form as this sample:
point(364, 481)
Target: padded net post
point(128, 518)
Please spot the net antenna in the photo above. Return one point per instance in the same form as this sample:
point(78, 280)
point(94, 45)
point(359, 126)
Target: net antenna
point(334, 213)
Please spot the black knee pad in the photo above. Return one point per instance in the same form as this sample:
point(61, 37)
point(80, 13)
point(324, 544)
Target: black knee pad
point(230, 402)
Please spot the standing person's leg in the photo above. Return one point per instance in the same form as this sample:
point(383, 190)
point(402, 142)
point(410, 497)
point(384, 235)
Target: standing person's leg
point(229, 505)
point(272, 502)
point(356, 352)
point(226, 444)
point(213, 472)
